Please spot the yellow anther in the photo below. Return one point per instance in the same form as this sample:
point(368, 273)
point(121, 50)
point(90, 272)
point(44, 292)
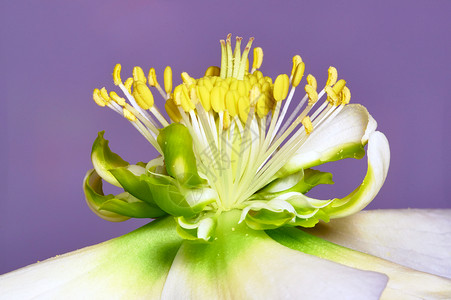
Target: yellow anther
point(143, 93)
point(152, 77)
point(213, 71)
point(233, 85)
point(178, 95)
point(104, 95)
point(241, 88)
point(187, 79)
point(332, 97)
point(168, 79)
point(345, 95)
point(193, 95)
point(265, 87)
point(296, 60)
point(253, 80)
point(298, 73)
point(311, 80)
point(117, 74)
point(138, 74)
point(172, 110)
point(254, 95)
point(258, 74)
point(307, 124)
point(117, 99)
point(332, 76)
point(231, 102)
point(128, 84)
point(226, 122)
point(268, 79)
point(204, 96)
point(258, 58)
point(217, 98)
point(263, 105)
point(281, 86)
point(338, 87)
point(97, 98)
point(185, 99)
point(128, 115)
point(312, 94)
point(208, 83)
point(243, 108)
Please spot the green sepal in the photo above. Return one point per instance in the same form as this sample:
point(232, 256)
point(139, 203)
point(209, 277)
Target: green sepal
point(267, 219)
point(103, 159)
point(115, 208)
point(176, 199)
point(133, 184)
point(177, 146)
point(311, 179)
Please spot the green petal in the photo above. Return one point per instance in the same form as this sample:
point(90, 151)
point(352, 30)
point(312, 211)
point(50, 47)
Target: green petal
point(92, 187)
point(241, 263)
point(177, 145)
point(115, 208)
point(416, 238)
point(378, 163)
point(103, 159)
point(404, 283)
point(345, 137)
point(129, 178)
point(178, 200)
point(200, 228)
point(133, 266)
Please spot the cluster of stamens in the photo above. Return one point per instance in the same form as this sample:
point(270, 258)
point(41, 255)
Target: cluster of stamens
point(238, 118)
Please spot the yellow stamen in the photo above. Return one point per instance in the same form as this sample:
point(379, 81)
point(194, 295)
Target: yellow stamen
point(281, 86)
point(117, 74)
point(231, 101)
point(311, 80)
point(97, 98)
point(307, 124)
point(226, 122)
point(187, 79)
point(345, 95)
point(243, 108)
point(217, 98)
point(204, 96)
point(312, 94)
point(298, 73)
point(104, 95)
point(128, 115)
point(152, 77)
point(332, 97)
point(138, 74)
point(332, 76)
point(296, 61)
point(128, 84)
point(338, 87)
point(117, 99)
point(142, 95)
point(172, 110)
point(168, 79)
point(258, 58)
point(213, 71)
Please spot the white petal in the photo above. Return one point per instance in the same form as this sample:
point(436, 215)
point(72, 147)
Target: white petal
point(133, 266)
point(246, 264)
point(378, 163)
point(419, 239)
point(350, 128)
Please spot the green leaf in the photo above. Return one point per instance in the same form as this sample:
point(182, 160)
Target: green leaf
point(103, 159)
point(177, 146)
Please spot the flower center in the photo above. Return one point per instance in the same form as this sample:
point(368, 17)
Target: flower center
point(238, 119)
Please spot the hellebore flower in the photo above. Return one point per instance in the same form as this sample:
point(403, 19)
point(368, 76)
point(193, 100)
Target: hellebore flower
point(229, 194)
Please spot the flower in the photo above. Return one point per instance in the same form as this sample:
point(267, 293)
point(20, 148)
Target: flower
point(229, 194)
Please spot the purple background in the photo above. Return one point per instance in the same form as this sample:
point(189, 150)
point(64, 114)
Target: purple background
point(395, 56)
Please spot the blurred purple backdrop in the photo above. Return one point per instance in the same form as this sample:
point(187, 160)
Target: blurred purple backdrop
point(395, 56)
